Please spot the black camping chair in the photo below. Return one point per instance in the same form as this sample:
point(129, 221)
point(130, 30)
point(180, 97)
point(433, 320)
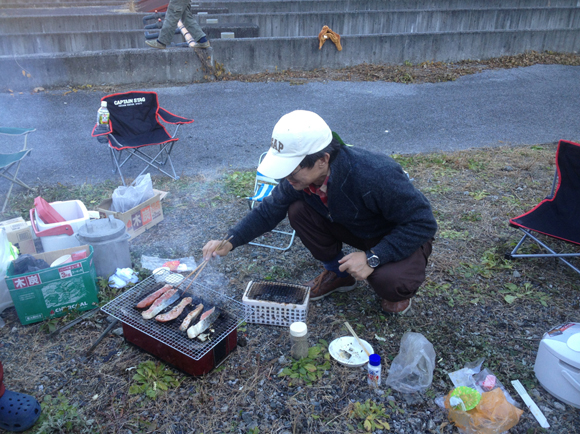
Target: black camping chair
point(133, 125)
point(556, 216)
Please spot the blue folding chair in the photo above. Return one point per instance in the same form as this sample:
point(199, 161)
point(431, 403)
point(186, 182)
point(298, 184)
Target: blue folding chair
point(9, 161)
point(263, 187)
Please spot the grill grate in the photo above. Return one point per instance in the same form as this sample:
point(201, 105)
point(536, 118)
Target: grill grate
point(277, 292)
point(232, 314)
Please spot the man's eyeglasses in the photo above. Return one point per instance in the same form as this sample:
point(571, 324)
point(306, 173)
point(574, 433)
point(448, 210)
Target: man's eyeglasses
point(291, 177)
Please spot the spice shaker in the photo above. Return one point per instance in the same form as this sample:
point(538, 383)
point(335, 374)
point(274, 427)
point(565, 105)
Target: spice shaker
point(299, 340)
point(374, 377)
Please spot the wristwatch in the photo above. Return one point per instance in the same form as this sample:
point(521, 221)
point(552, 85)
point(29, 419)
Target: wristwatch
point(373, 260)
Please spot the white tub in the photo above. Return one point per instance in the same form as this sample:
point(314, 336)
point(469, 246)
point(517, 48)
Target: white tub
point(57, 236)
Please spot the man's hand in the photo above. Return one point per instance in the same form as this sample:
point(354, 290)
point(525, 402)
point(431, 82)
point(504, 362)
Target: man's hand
point(356, 265)
point(210, 249)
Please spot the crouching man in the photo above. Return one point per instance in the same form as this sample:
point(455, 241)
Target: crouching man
point(334, 194)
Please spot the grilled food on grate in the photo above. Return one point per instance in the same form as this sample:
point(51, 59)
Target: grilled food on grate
point(175, 312)
point(190, 317)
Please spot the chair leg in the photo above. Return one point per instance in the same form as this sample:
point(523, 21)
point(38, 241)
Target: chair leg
point(13, 180)
point(269, 246)
point(552, 254)
point(116, 166)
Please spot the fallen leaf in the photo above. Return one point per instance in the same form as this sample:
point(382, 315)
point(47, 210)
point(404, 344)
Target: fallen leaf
point(510, 298)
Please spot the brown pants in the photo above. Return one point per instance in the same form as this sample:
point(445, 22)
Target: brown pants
point(394, 281)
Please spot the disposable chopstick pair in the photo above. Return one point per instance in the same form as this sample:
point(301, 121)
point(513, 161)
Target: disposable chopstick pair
point(201, 266)
point(356, 337)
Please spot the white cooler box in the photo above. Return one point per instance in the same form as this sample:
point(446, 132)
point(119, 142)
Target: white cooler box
point(558, 363)
point(58, 236)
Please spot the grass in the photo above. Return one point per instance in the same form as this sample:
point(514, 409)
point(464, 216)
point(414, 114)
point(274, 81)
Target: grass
point(474, 303)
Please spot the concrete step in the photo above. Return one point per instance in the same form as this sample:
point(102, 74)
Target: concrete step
point(61, 5)
point(274, 25)
point(236, 6)
point(309, 24)
point(78, 42)
point(254, 55)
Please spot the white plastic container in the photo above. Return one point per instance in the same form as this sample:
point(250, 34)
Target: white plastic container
point(557, 364)
point(58, 236)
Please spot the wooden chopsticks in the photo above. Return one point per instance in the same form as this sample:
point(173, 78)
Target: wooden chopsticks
point(356, 337)
point(201, 266)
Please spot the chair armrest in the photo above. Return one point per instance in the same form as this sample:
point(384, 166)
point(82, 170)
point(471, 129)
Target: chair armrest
point(170, 118)
point(101, 130)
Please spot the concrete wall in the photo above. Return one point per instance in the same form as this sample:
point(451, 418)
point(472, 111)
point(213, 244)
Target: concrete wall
point(180, 65)
point(235, 6)
point(258, 55)
point(76, 42)
point(377, 22)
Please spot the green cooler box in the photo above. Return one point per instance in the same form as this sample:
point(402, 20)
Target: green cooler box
point(54, 291)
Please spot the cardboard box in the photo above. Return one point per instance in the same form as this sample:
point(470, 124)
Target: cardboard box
point(20, 234)
point(53, 292)
point(140, 218)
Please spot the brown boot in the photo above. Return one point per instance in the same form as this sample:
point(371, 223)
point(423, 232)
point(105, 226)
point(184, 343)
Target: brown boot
point(396, 307)
point(328, 282)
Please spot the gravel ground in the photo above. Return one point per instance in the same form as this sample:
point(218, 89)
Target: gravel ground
point(462, 309)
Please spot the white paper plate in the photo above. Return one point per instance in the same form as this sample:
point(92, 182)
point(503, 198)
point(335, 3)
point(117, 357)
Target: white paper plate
point(62, 260)
point(173, 279)
point(348, 352)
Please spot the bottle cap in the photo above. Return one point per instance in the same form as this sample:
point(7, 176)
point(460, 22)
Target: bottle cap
point(103, 103)
point(374, 360)
point(298, 329)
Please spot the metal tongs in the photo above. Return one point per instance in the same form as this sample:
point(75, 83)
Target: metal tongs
point(200, 268)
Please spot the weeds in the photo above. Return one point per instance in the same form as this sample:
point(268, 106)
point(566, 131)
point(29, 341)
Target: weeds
point(309, 369)
point(59, 416)
point(240, 184)
point(371, 416)
point(152, 380)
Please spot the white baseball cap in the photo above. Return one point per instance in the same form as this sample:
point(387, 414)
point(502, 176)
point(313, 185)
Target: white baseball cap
point(296, 135)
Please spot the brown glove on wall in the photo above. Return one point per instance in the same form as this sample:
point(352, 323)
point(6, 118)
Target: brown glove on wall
point(326, 33)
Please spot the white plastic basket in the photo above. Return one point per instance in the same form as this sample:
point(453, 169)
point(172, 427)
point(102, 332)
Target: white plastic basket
point(274, 312)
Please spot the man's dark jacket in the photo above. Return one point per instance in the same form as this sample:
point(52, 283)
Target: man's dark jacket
point(368, 193)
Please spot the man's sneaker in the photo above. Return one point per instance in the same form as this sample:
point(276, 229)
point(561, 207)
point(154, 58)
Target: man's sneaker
point(155, 43)
point(202, 43)
point(328, 282)
point(396, 307)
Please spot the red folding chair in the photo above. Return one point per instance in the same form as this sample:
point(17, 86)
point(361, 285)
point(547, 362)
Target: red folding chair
point(134, 126)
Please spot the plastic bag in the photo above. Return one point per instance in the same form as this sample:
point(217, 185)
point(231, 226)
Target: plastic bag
point(122, 277)
point(412, 369)
point(125, 198)
point(493, 415)
point(7, 253)
point(482, 380)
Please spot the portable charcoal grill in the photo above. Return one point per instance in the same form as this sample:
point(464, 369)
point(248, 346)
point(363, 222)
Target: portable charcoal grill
point(166, 341)
point(276, 303)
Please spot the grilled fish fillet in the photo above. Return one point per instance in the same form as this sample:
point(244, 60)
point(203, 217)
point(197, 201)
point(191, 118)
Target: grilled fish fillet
point(175, 312)
point(204, 322)
point(190, 317)
point(161, 303)
point(148, 301)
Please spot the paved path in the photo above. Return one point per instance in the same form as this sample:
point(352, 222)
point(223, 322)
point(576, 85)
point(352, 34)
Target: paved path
point(233, 121)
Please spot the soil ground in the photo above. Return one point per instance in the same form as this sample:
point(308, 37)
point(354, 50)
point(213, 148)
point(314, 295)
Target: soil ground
point(474, 304)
